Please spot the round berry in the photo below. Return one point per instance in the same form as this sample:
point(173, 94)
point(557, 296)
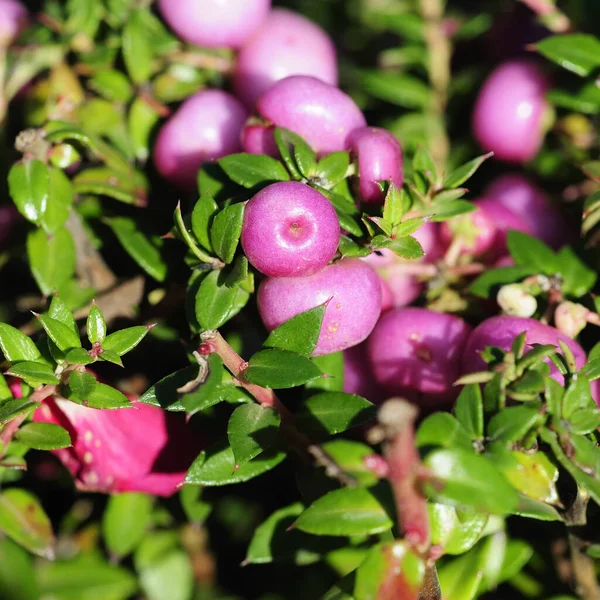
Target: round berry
point(13, 19)
point(379, 158)
point(286, 44)
point(351, 289)
point(510, 109)
point(215, 23)
point(289, 230)
point(415, 352)
point(475, 230)
point(320, 113)
point(205, 127)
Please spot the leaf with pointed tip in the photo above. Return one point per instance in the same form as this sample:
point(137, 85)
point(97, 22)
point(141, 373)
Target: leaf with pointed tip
point(62, 335)
point(125, 340)
point(95, 325)
point(16, 346)
point(225, 231)
point(469, 410)
point(29, 186)
point(280, 369)
point(43, 436)
point(202, 216)
point(250, 170)
point(34, 373)
point(465, 172)
point(300, 334)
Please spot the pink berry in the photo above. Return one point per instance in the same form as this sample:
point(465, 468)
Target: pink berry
point(379, 158)
point(258, 139)
point(531, 204)
point(14, 17)
point(415, 352)
point(501, 332)
point(215, 23)
point(509, 113)
point(320, 113)
point(286, 44)
point(205, 127)
point(358, 378)
point(475, 230)
point(141, 449)
point(351, 289)
point(403, 288)
point(289, 230)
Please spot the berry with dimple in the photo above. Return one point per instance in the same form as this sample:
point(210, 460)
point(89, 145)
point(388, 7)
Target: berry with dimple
point(501, 332)
point(318, 112)
point(352, 292)
point(13, 19)
point(286, 44)
point(509, 113)
point(415, 353)
point(532, 205)
point(289, 230)
point(205, 127)
point(379, 158)
point(215, 23)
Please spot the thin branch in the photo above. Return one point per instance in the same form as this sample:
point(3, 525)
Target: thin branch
point(550, 15)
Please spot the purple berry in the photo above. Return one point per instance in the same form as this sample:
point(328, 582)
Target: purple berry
point(215, 23)
point(350, 287)
point(13, 19)
point(510, 109)
point(289, 230)
point(531, 204)
point(415, 352)
point(258, 139)
point(501, 332)
point(358, 378)
point(476, 230)
point(205, 127)
point(379, 158)
point(320, 113)
point(286, 44)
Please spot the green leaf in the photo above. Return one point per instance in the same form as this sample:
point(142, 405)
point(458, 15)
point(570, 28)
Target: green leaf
point(29, 187)
point(329, 413)
point(164, 392)
point(44, 436)
point(17, 575)
point(125, 186)
point(487, 284)
point(86, 578)
point(393, 207)
point(460, 578)
point(579, 53)
point(514, 422)
point(137, 48)
point(202, 216)
point(469, 410)
point(250, 170)
point(82, 383)
point(343, 512)
point(443, 210)
point(442, 429)
point(59, 201)
point(59, 311)
point(455, 530)
point(528, 251)
point(462, 478)
point(169, 575)
point(391, 567)
point(280, 369)
point(125, 340)
point(141, 120)
point(207, 388)
point(591, 370)
point(216, 466)
point(102, 397)
point(196, 509)
point(252, 429)
point(226, 230)
point(51, 258)
point(306, 158)
point(95, 325)
point(16, 346)
point(332, 365)
point(34, 373)
point(400, 89)
point(112, 85)
point(534, 509)
point(23, 519)
point(332, 168)
point(350, 456)
point(465, 172)
point(111, 356)
point(125, 521)
point(13, 408)
point(216, 302)
point(300, 334)
point(405, 247)
point(139, 247)
point(584, 421)
point(578, 278)
point(62, 335)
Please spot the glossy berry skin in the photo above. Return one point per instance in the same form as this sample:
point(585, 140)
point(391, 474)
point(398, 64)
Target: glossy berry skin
point(509, 112)
point(139, 449)
point(530, 203)
point(415, 353)
point(501, 332)
point(289, 230)
point(258, 139)
point(13, 19)
point(205, 127)
point(286, 44)
point(379, 158)
point(320, 113)
point(350, 286)
point(358, 378)
point(215, 23)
